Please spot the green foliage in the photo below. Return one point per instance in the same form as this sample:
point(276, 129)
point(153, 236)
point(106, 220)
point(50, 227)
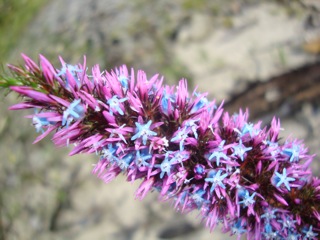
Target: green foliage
point(14, 19)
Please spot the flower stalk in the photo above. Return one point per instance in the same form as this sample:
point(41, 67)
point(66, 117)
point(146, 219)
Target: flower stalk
point(235, 173)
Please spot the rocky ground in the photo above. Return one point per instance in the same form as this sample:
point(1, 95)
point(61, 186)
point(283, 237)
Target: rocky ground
point(220, 47)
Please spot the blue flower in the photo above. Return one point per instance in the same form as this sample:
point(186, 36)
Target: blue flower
point(75, 111)
point(180, 137)
point(292, 152)
point(109, 153)
point(119, 131)
point(240, 150)
point(268, 233)
point(142, 157)
point(293, 236)
point(124, 81)
point(238, 228)
point(166, 98)
point(143, 131)
point(165, 165)
point(200, 104)
point(309, 234)
point(199, 169)
point(125, 161)
point(247, 199)
point(282, 179)
point(287, 223)
point(217, 155)
point(191, 123)
point(73, 70)
point(216, 179)
point(39, 123)
point(269, 214)
point(180, 156)
point(114, 104)
point(247, 128)
point(197, 197)
point(273, 149)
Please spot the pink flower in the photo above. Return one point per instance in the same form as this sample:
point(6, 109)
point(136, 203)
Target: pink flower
point(185, 147)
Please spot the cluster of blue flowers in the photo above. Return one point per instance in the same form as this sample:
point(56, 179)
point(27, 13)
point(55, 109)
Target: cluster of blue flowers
point(183, 146)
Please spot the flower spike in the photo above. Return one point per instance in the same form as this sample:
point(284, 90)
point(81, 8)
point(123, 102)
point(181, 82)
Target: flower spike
point(181, 145)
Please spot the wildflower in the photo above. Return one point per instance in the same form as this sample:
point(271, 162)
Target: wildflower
point(191, 123)
point(120, 131)
point(293, 152)
point(137, 126)
point(247, 199)
point(280, 179)
point(273, 149)
point(293, 236)
point(218, 156)
point(238, 228)
point(308, 233)
point(125, 161)
point(198, 197)
point(216, 179)
point(39, 123)
point(68, 67)
point(165, 166)
point(75, 111)
point(143, 131)
point(248, 128)
point(270, 213)
point(200, 102)
point(166, 102)
point(240, 150)
point(70, 72)
point(180, 137)
point(114, 104)
point(124, 81)
point(180, 156)
point(287, 223)
point(142, 157)
point(109, 152)
point(199, 171)
point(269, 232)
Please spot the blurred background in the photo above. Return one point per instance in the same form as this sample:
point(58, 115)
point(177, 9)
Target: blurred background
point(255, 54)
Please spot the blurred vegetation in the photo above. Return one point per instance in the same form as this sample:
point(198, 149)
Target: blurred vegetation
point(15, 15)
